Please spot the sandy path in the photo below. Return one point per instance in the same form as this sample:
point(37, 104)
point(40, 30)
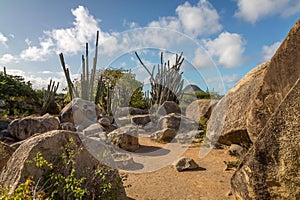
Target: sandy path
point(167, 183)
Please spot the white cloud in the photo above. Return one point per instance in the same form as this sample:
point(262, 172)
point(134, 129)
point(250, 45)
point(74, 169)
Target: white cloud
point(69, 40)
point(199, 20)
point(72, 40)
point(7, 58)
point(3, 39)
point(269, 51)
point(130, 25)
point(202, 59)
point(39, 82)
point(254, 10)
point(227, 49)
point(34, 53)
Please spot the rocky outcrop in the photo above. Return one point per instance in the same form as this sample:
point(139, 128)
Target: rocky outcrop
point(270, 169)
point(28, 126)
point(280, 76)
point(200, 108)
point(240, 116)
point(52, 145)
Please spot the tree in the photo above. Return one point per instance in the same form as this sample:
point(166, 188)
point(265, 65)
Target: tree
point(18, 95)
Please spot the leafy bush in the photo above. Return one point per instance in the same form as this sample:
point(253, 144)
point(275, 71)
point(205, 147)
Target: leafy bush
point(18, 95)
point(60, 180)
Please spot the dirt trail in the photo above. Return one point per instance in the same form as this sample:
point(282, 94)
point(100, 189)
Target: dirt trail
point(166, 183)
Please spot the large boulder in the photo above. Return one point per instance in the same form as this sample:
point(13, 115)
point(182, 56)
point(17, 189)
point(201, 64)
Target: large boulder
point(26, 127)
point(177, 122)
point(240, 116)
point(164, 135)
point(80, 112)
point(200, 108)
point(280, 76)
point(232, 110)
point(125, 137)
point(52, 145)
point(140, 119)
point(168, 107)
point(271, 168)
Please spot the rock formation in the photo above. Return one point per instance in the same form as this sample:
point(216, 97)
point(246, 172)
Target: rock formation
point(271, 168)
point(200, 108)
point(240, 116)
point(52, 145)
point(28, 126)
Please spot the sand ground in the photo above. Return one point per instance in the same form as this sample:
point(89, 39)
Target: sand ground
point(212, 182)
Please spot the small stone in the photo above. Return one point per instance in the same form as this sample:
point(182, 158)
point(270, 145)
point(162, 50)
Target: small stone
point(185, 164)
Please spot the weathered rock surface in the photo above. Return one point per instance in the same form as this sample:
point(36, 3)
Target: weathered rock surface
point(125, 137)
point(185, 164)
point(177, 122)
point(271, 168)
point(51, 145)
point(200, 108)
point(28, 126)
point(80, 112)
point(5, 153)
point(280, 76)
point(140, 119)
point(168, 107)
point(232, 110)
point(164, 135)
point(245, 110)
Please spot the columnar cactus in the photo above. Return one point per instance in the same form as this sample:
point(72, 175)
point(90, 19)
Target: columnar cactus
point(167, 83)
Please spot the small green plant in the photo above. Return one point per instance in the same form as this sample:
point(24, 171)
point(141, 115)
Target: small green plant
point(231, 165)
point(61, 181)
point(25, 191)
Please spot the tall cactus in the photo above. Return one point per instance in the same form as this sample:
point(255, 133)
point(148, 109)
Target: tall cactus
point(49, 96)
point(167, 83)
point(87, 79)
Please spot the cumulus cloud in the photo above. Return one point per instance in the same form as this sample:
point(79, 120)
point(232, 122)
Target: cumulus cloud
point(7, 58)
point(254, 10)
point(71, 40)
point(202, 59)
point(227, 49)
point(3, 39)
point(34, 53)
point(199, 20)
point(269, 51)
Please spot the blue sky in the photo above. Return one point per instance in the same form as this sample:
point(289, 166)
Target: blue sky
point(222, 40)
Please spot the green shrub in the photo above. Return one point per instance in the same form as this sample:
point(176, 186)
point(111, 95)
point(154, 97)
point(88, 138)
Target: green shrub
point(60, 180)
